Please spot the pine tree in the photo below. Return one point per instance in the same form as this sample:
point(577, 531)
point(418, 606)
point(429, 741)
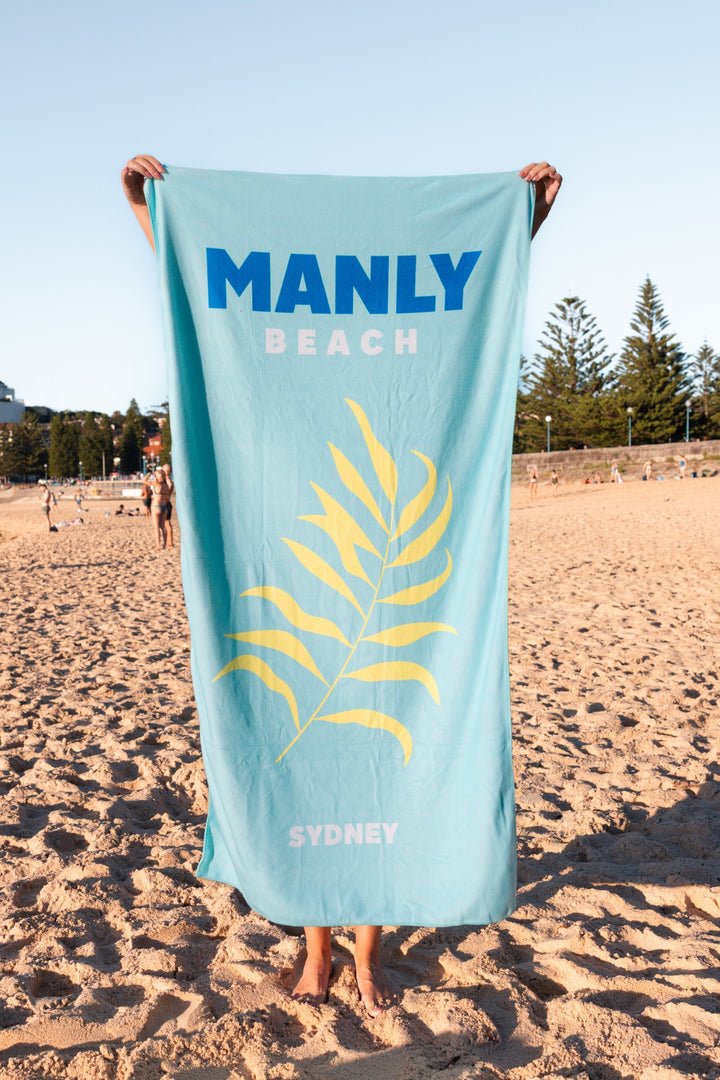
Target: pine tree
point(131, 442)
point(106, 444)
point(89, 446)
point(569, 380)
point(24, 448)
point(64, 439)
point(704, 370)
point(651, 374)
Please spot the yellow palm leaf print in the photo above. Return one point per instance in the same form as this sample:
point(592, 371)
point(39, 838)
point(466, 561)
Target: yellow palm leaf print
point(359, 642)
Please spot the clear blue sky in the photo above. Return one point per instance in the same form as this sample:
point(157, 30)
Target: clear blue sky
point(623, 97)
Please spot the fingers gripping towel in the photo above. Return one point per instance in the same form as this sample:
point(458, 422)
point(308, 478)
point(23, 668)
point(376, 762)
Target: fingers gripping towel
point(343, 358)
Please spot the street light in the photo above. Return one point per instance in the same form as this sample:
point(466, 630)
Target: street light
point(45, 468)
point(688, 403)
point(81, 476)
point(548, 421)
point(629, 412)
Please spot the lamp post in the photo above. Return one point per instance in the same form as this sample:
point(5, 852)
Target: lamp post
point(688, 403)
point(144, 464)
point(81, 475)
point(103, 454)
point(629, 412)
point(548, 421)
point(45, 468)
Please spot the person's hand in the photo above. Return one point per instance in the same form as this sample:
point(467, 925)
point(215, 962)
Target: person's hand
point(139, 169)
point(547, 182)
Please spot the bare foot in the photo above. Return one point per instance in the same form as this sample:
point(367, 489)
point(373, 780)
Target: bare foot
point(313, 984)
point(375, 993)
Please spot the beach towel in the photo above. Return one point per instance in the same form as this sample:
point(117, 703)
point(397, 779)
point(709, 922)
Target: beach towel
point(343, 364)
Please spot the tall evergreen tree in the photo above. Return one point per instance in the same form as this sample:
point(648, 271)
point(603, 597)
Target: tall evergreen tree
point(89, 446)
point(570, 380)
point(704, 370)
point(131, 442)
point(24, 452)
point(651, 373)
point(106, 444)
point(64, 439)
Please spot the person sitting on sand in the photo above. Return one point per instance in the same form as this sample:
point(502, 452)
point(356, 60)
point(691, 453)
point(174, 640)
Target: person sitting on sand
point(312, 986)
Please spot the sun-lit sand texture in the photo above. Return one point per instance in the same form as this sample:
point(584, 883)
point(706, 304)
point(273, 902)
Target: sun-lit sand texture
point(116, 962)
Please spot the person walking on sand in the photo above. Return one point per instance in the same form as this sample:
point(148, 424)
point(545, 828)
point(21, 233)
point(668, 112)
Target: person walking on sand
point(554, 480)
point(375, 992)
point(167, 469)
point(46, 501)
point(533, 483)
point(159, 505)
point(647, 469)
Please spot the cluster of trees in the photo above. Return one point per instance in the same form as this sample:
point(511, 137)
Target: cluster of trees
point(573, 378)
point(102, 443)
point(587, 391)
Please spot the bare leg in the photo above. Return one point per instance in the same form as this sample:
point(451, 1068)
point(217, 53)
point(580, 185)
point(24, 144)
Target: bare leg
point(375, 993)
point(168, 530)
point(159, 528)
point(313, 984)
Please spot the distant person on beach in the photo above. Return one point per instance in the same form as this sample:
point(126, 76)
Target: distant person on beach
point(167, 469)
point(614, 473)
point(554, 480)
point(159, 505)
point(533, 483)
point(647, 470)
point(312, 986)
point(46, 501)
point(683, 465)
point(146, 494)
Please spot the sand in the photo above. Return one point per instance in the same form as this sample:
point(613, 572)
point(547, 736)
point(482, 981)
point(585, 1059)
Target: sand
point(116, 962)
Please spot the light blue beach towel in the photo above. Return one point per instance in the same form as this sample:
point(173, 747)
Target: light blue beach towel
point(343, 357)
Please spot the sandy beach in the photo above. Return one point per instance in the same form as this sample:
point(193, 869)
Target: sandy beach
point(117, 963)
